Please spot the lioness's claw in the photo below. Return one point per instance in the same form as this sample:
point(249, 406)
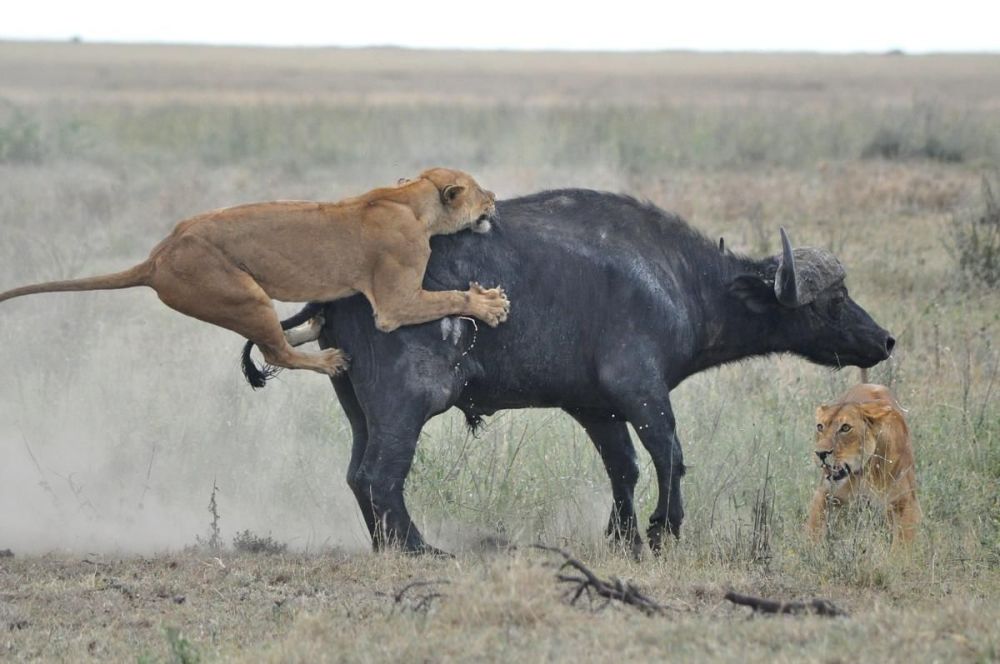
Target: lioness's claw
point(336, 361)
point(492, 304)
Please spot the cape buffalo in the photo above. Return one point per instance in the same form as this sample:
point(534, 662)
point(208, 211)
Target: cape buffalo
point(614, 303)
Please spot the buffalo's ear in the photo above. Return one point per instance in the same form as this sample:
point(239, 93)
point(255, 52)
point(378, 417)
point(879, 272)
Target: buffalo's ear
point(754, 292)
point(450, 193)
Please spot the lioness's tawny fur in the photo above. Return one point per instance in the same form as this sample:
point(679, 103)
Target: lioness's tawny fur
point(225, 266)
point(863, 447)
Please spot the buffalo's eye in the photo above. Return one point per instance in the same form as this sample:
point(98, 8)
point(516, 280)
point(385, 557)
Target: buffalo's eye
point(837, 306)
point(845, 427)
point(819, 427)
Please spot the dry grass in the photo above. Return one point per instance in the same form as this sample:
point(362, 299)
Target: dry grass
point(337, 607)
point(117, 415)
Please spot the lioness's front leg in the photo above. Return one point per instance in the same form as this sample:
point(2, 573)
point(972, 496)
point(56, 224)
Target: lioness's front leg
point(398, 299)
point(817, 512)
point(830, 494)
point(904, 515)
point(394, 310)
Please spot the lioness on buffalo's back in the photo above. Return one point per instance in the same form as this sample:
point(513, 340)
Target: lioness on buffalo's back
point(224, 266)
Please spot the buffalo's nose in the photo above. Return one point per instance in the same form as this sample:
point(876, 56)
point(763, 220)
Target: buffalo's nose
point(823, 454)
point(890, 343)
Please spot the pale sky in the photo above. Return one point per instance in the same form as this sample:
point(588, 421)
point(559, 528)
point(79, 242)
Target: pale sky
point(772, 25)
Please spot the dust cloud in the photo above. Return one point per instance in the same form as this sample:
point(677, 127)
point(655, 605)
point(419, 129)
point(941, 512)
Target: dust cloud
point(112, 435)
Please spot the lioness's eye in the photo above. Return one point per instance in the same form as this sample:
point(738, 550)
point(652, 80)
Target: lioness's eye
point(819, 427)
point(845, 428)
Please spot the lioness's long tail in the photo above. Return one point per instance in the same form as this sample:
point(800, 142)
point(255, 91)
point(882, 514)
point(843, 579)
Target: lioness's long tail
point(256, 376)
point(135, 276)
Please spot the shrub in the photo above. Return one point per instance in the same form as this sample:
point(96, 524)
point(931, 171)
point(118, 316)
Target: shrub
point(248, 542)
point(894, 144)
point(20, 139)
point(975, 241)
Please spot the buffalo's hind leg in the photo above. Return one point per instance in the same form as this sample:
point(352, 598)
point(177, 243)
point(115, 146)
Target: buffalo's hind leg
point(359, 443)
point(611, 438)
point(380, 478)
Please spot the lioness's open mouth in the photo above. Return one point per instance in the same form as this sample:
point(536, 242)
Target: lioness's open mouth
point(483, 224)
point(837, 473)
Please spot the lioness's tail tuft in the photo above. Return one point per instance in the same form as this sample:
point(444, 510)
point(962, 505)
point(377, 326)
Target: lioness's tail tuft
point(258, 376)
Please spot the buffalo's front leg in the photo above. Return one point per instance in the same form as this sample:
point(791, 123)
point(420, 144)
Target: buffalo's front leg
point(610, 436)
point(653, 420)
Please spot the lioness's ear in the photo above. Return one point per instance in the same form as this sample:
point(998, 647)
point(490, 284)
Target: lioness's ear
point(873, 411)
point(451, 192)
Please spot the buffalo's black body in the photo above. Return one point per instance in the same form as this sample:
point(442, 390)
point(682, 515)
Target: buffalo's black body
point(614, 303)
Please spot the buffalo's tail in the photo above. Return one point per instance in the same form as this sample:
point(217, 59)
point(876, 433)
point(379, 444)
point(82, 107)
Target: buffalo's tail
point(134, 276)
point(258, 376)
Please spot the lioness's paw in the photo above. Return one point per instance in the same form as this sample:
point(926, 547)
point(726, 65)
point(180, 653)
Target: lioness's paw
point(490, 305)
point(335, 361)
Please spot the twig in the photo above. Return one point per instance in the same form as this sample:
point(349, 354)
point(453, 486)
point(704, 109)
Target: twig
point(149, 472)
point(42, 482)
point(95, 563)
point(417, 602)
point(589, 584)
point(820, 607)
point(215, 538)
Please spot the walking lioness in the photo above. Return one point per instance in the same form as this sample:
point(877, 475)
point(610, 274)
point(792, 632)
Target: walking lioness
point(223, 267)
point(863, 447)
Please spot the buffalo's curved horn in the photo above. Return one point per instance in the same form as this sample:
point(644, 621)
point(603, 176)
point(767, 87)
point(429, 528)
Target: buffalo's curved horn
point(785, 284)
point(804, 273)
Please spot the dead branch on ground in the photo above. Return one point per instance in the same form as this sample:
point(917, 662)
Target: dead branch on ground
point(587, 583)
point(416, 601)
point(819, 607)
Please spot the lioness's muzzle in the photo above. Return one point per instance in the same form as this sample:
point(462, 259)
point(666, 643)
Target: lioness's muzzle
point(484, 223)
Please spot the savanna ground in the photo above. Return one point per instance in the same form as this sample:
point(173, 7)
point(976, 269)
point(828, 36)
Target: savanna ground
point(117, 415)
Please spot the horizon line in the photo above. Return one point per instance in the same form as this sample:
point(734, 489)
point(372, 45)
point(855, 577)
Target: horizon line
point(889, 51)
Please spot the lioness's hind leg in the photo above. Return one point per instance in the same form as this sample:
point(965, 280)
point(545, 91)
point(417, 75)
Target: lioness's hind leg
point(331, 361)
point(225, 295)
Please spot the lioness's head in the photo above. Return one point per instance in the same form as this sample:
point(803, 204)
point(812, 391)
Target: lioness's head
point(465, 204)
point(845, 436)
